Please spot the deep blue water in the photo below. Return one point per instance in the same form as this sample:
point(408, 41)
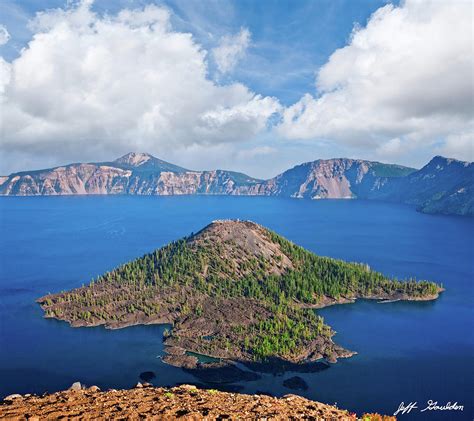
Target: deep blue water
point(406, 351)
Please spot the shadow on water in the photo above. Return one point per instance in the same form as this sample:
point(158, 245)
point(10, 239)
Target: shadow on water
point(225, 372)
point(406, 351)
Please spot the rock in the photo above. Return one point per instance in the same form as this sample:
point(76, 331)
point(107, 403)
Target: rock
point(76, 386)
point(332, 359)
point(12, 397)
point(295, 383)
point(94, 389)
point(147, 376)
point(188, 387)
point(139, 385)
point(170, 404)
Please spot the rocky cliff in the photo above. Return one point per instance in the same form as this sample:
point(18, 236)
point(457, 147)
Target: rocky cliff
point(134, 173)
point(333, 179)
point(442, 186)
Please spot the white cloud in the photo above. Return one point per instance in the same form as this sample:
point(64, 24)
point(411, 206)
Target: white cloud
point(90, 86)
point(256, 152)
point(459, 145)
point(403, 81)
point(391, 148)
point(230, 50)
point(4, 35)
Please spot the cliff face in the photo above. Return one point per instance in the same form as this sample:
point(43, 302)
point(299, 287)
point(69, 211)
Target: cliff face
point(146, 175)
point(333, 179)
point(133, 173)
point(71, 179)
point(442, 186)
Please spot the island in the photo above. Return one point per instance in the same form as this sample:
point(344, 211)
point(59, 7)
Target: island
point(233, 292)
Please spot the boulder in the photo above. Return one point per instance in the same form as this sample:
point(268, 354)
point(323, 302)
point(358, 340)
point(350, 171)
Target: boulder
point(188, 387)
point(76, 386)
point(12, 397)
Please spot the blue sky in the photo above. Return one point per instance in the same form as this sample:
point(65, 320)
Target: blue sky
point(290, 39)
point(302, 80)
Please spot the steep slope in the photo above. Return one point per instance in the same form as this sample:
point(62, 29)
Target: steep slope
point(333, 179)
point(442, 186)
point(68, 180)
point(140, 173)
point(144, 162)
point(190, 182)
point(133, 173)
point(234, 290)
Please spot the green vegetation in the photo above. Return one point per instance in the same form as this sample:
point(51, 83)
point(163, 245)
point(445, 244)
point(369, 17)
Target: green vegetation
point(312, 277)
point(387, 170)
point(189, 276)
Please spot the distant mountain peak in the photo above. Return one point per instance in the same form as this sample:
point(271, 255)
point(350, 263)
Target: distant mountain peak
point(142, 161)
point(134, 159)
point(439, 161)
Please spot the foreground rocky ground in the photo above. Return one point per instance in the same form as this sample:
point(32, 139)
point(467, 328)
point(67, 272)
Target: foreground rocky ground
point(185, 402)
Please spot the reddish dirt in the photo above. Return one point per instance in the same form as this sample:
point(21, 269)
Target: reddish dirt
point(184, 402)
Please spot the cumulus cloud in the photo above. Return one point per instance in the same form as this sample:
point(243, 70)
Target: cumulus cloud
point(458, 145)
point(89, 86)
point(4, 35)
point(230, 50)
point(404, 81)
point(256, 152)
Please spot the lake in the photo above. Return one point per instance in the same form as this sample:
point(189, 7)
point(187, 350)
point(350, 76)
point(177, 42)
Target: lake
point(406, 351)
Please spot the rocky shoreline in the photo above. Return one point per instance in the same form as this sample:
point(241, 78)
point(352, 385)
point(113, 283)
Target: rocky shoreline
point(226, 370)
point(238, 298)
point(183, 402)
point(382, 298)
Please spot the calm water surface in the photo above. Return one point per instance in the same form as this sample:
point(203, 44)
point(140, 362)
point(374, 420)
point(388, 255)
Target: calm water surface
point(406, 351)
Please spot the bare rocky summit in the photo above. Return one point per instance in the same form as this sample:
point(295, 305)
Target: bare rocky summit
point(133, 173)
point(185, 402)
point(442, 186)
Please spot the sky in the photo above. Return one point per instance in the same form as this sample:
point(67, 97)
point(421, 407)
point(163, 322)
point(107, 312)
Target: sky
point(245, 85)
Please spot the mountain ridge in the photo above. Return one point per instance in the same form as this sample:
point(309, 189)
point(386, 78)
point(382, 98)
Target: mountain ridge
point(444, 185)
